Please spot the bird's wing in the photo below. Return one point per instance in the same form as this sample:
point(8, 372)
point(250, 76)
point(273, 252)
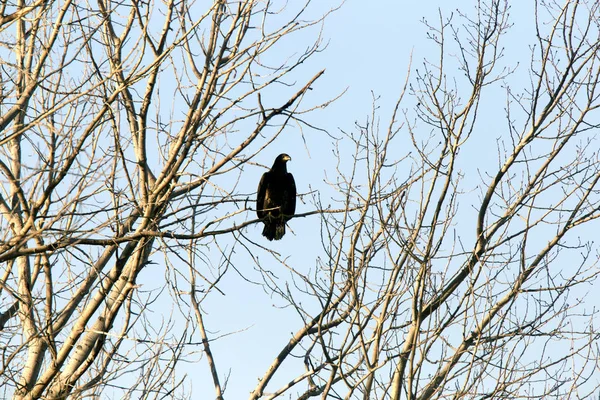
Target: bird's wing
point(261, 194)
point(290, 196)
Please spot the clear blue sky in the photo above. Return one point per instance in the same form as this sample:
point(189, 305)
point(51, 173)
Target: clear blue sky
point(368, 49)
point(370, 44)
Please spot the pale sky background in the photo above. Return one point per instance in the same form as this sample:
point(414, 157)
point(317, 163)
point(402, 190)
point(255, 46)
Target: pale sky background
point(368, 52)
point(369, 49)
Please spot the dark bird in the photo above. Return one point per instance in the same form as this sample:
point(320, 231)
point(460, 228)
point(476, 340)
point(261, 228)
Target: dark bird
point(276, 199)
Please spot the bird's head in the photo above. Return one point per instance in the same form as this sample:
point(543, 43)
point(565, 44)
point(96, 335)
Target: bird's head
point(280, 163)
point(281, 160)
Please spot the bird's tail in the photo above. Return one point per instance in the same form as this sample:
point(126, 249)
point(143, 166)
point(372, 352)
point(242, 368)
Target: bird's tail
point(274, 231)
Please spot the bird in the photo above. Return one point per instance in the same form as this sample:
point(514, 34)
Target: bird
point(276, 198)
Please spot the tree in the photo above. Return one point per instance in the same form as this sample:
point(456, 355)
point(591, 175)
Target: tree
point(441, 280)
point(435, 279)
point(99, 172)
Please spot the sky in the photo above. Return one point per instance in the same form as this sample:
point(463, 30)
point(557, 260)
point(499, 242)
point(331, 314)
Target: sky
point(368, 53)
point(370, 48)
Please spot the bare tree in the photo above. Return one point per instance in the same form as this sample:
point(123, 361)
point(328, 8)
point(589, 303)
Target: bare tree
point(445, 280)
point(435, 279)
point(118, 121)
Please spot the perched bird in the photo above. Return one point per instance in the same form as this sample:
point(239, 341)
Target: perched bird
point(276, 198)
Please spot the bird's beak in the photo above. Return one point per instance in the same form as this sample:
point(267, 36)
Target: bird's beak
point(287, 158)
